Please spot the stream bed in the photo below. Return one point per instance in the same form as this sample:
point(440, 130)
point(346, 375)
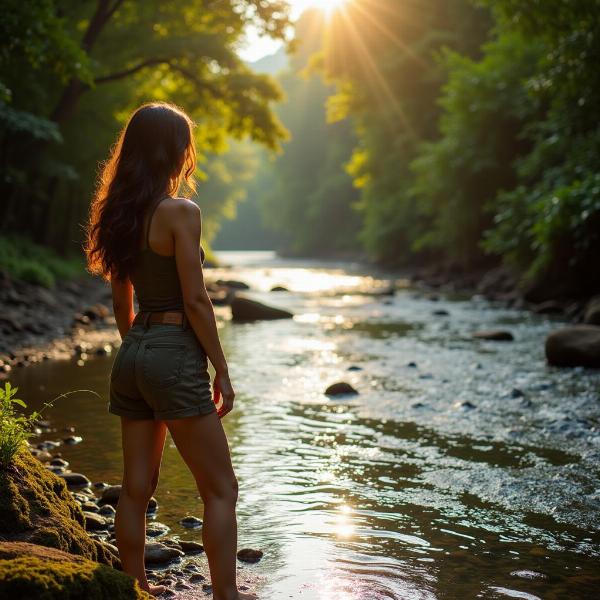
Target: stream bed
point(463, 468)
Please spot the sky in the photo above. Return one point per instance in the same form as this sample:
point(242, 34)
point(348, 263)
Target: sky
point(256, 46)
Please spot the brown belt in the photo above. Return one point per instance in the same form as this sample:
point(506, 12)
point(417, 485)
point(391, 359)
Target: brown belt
point(170, 317)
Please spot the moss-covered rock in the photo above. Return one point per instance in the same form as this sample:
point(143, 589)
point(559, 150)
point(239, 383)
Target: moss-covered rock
point(36, 507)
point(29, 571)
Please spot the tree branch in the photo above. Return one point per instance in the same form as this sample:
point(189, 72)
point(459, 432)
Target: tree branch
point(131, 70)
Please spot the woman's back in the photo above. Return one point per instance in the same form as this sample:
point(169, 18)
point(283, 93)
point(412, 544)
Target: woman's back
point(155, 278)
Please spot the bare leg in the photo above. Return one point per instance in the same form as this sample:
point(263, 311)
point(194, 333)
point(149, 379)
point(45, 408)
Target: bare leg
point(143, 442)
point(203, 446)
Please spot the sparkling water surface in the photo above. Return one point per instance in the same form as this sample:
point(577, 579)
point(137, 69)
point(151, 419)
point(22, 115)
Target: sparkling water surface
point(462, 468)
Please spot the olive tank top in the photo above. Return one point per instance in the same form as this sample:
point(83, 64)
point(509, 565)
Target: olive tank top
point(154, 277)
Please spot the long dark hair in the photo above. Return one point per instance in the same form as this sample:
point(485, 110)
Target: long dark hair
point(154, 152)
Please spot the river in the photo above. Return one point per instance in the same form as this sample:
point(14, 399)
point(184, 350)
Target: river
point(462, 469)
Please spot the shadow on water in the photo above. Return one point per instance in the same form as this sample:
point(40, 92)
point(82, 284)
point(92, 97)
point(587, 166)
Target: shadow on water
point(377, 496)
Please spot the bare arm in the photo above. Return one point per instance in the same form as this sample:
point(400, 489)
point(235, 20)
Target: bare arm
point(187, 228)
point(198, 307)
point(122, 295)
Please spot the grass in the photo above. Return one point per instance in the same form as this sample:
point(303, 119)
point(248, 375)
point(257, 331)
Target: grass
point(25, 260)
point(15, 427)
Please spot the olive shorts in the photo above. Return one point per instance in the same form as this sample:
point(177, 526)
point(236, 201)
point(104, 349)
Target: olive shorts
point(160, 372)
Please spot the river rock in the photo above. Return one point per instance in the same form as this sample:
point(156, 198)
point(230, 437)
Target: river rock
point(111, 496)
point(93, 521)
point(496, 335)
point(155, 529)
point(339, 388)
point(196, 577)
point(73, 439)
point(441, 313)
point(574, 346)
point(249, 555)
point(190, 547)
point(246, 309)
point(232, 283)
point(591, 315)
point(279, 288)
point(156, 553)
point(74, 480)
point(59, 462)
point(107, 511)
point(550, 307)
point(191, 522)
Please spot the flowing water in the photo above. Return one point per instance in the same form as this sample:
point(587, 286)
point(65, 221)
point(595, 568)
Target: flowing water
point(462, 469)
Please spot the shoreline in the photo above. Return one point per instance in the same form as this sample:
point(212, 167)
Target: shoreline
point(74, 319)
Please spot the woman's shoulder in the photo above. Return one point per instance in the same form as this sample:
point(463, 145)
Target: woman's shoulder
point(181, 208)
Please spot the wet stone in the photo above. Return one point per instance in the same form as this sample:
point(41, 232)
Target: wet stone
point(191, 522)
point(249, 555)
point(196, 577)
point(73, 439)
point(340, 388)
point(93, 522)
point(496, 335)
point(156, 529)
point(74, 480)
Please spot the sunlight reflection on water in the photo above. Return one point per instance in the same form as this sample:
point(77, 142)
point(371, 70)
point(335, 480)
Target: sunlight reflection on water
point(399, 491)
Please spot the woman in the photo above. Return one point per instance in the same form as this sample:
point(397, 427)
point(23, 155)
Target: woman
point(146, 240)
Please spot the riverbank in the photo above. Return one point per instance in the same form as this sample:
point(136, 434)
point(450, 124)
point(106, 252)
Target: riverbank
point(74, 318)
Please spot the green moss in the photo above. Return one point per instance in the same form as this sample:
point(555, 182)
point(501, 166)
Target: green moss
point(28, 571)
point(35, 506)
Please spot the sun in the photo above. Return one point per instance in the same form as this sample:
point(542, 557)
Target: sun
point(327, 6)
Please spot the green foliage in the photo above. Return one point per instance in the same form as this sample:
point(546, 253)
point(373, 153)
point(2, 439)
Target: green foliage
point(388, 80)
point(22, 259)
point(15, 428)
point(485, 110)
point(76, 72)
point(310, 197)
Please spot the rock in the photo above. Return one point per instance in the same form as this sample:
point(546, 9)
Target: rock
point(465, 404)
point(37, 507)
point(101, 485)
point(279, 288)
point(190, 547)
point(232, 283)
point(412, 364)
point(340, 388)
point(74, 480)
point(440, 313)
point(59, 462)
point(191, 522)
point(73, 439)
point(496, 335)
point(196, 577)
point(155, 529)
point(96, 312)
point(111, 496)
point(90, 506)
point(29, 571)
point(591, 314)
point(93, 522)
point(246, 309)
point(107, 511)
point(550, 307)
point(249, 555)
point(573, 346)
point(181, 585)
point(159, 554)
point(354, 368)
point(516, 393)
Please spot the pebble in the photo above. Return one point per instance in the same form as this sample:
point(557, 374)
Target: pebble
point(156, 529)
point(93, 522)
point(157, 553)
point(191, 522)
point(73, 439)
point(340, 388)
point(107, 511)
point(75, 479)
point(249, 555)
point(196, 577)
point(190, 547)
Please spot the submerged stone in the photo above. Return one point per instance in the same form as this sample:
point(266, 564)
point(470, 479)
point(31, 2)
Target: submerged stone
point(339, 388)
